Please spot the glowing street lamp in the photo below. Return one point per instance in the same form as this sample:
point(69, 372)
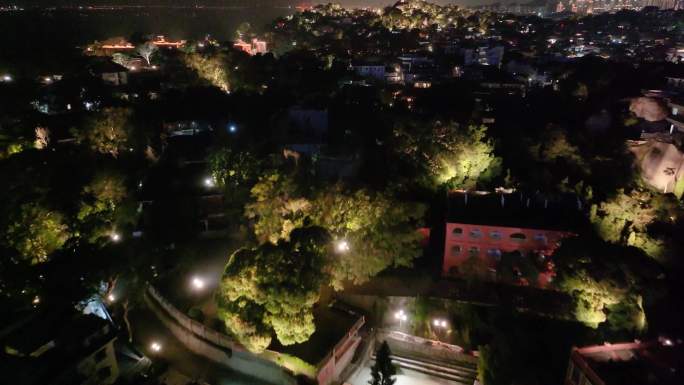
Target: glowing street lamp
point(439, 323)
point(342, 246)
point(209, 182)
point(6, 78)
point(111, 298)
point(198, 283)
point(400, 316)
point(115, 237)
point(155, 347)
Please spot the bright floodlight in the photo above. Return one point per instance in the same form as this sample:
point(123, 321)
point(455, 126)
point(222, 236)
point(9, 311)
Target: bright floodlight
point(7, 78)
point(209, 182)
point(155, 346)
point(111, 298)
point(232, 128)
point(400, 315)
point(342, 246)
point(116, 237)
point(444, 323)
point(198, 283)
point(435, 322)
point(36, 300)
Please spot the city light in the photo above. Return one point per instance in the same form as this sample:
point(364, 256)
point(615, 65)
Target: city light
point(36, 300)
point(7, 78)
point(400, 315)
point(198, 283)
point(111, 298)
point(440, 323)
point(209, 182)
point(232, 128)
point(155, 347)
point(115, 237)
point(342, 246)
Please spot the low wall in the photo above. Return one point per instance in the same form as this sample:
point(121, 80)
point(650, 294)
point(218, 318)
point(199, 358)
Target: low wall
point(421, 347)
point(213, 345)
point(332, 365)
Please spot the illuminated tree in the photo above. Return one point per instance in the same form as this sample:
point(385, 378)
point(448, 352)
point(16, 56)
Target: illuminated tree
point(108, 131)
point(274, 288)
point(146, 51)
point(458, 157)
point(380, 232)
point(211, 68)
point(277, 207)
point(607, 282)
point(36, 232)
point(102, 205)
point(639, 218)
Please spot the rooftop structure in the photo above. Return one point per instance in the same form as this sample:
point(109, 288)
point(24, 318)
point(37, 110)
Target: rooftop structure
point(634, 363)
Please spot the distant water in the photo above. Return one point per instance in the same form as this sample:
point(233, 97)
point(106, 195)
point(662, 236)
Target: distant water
point(85, 26)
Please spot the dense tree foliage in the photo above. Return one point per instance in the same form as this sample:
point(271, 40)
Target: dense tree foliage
point(108, 131)
point(210, 68)
point(448, 154)
point(609, 283)
point(36, 232)
point(643, 219)
point(273, 288)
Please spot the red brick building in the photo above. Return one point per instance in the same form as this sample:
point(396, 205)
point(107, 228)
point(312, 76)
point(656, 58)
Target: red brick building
point(489, 227)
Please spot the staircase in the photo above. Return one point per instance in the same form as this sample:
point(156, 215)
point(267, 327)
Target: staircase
point(459, 372)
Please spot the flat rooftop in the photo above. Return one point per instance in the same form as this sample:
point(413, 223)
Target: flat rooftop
point(658, 362)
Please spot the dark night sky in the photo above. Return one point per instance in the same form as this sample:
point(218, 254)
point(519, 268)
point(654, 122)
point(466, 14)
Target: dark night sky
point(225, 2)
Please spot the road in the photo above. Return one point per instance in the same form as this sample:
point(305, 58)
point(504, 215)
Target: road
point(148, 329)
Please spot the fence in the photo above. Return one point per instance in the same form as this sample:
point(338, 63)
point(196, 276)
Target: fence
point(330, 367)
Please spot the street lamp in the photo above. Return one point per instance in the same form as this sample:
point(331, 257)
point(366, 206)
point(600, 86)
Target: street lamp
point(111, 298)
point(7, 78)
point(342, 246)
point(232, 128)
point(198, 283)
point(155, 347)
point(400, 316)
point(116, 237)
point(209, 182)
point(439, 323)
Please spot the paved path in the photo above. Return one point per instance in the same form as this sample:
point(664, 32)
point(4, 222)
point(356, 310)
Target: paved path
point(404, 377)
point(148, 329)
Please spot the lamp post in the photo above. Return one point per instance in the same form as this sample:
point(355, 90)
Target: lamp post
point(342, 246)
point(401, 317)
point(197, 283)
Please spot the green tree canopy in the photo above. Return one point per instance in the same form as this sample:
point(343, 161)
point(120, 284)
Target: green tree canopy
point(379, 231)
point(448, 154)
point(36, 232)
point(272, 288)
point(608, 282)
point(108, 131)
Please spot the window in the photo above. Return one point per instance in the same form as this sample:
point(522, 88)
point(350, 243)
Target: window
point(457, 231)
point(474, 251)
point(520, 237)
point(475, 233)
point(494, 253)
point(495, 235)
point(541, 238)
point(455, 250)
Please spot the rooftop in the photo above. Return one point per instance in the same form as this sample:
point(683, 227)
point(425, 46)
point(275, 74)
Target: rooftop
point(637, 363)
point(517, 209)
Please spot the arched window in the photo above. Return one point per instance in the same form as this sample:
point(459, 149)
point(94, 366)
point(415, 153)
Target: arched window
point(495, 235)
point(455, 250)
point(519, 237)
point(475, 234)
point(457, 231)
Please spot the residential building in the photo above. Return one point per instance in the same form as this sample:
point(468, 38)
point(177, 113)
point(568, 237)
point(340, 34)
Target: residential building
point(488, 227)
point(57, 349)
point(484, 55)
point(635, 363)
